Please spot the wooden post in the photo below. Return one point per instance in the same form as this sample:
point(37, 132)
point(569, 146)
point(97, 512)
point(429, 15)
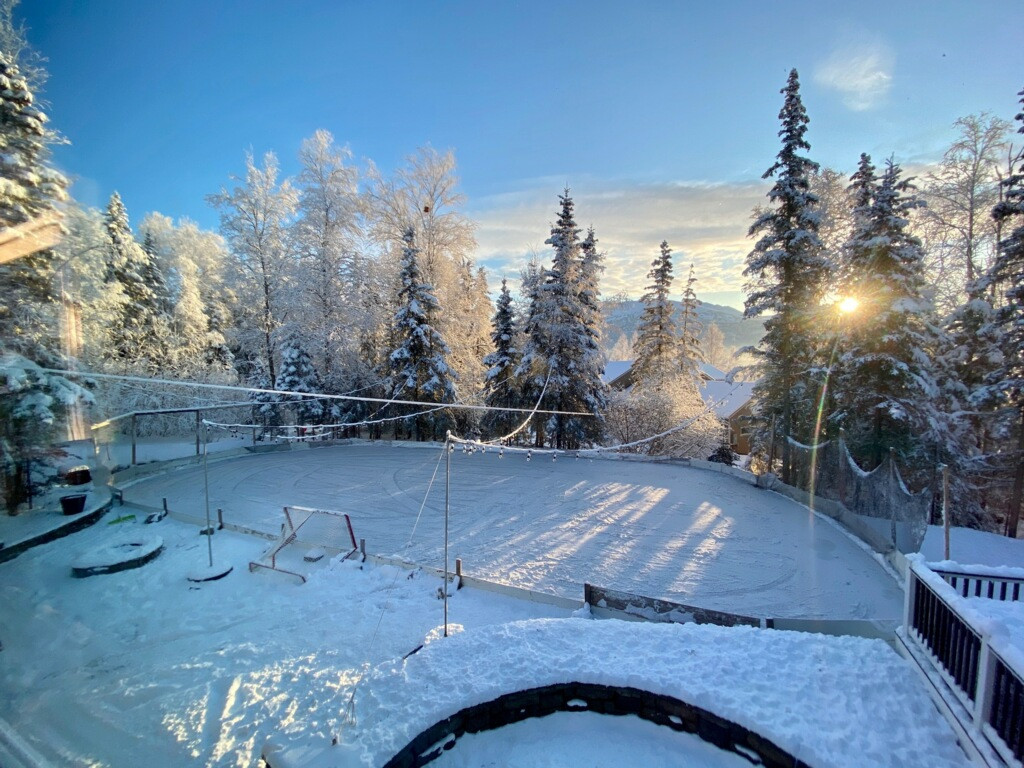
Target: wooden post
point(458, 573)
point(165, 504)
point(945, 511)
point(220, 519)
point(133, 439)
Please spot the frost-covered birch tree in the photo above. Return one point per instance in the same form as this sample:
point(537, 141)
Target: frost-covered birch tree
point(325, 238)
point(254, 217)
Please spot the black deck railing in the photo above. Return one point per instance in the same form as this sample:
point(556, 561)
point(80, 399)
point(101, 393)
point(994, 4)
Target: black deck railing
point(975, 585)
point(990, 688)
point(1007, 709)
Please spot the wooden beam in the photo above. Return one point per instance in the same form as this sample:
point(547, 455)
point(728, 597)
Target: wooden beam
point(25, 239)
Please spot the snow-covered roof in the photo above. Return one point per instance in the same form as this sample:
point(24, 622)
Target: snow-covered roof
point(615, 368)
point(728, 396)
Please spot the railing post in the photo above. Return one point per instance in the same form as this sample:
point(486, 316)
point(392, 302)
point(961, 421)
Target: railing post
point(909, 599)
point(199, 420)
point(986, 684)
point(134, 433)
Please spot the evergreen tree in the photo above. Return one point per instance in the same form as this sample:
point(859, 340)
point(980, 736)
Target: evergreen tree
point(595, 391)
point(883, 379)
point(690, 328)
point(30, 188)
point(153, 276)
point(418, 365)
point(265, 410)
point(297, 374)
point(502, 387)
point(1006, 382)
point(570, 354)
point(656, 350)
point(788, 276)
point(32, 402)
point(139, 332)
point(533, 369)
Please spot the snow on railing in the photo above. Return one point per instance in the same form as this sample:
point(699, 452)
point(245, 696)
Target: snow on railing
point(1000, 583)
point(970, 650)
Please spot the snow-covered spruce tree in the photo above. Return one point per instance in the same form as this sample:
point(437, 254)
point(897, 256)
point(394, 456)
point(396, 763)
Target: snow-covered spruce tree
point(656, 349)
point(29, 187)
point(424, 193)
point(32, 402)
point(883, 380)
point(1006, 382)
point(574, 382)
point(418, 366)
point(690, 328)
point(594, 359)
point(502, 388)
point(532, 371)
point(254, 217)
point(139, 333)
point(788, 275)
point(265, 408)
point(297, 374)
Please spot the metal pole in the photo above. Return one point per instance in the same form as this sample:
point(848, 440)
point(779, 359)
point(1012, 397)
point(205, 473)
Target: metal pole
point(133, 439)
point(206, 481)
point(199, 422)
point(945, 511)
point(447, 497)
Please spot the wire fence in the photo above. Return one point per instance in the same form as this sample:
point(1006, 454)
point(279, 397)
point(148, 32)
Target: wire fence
point(879, 498)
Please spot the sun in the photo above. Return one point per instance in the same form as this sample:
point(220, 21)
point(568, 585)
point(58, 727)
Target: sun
point(848, 305)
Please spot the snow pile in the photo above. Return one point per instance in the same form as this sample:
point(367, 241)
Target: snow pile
point(827, 701)
point(970, 547)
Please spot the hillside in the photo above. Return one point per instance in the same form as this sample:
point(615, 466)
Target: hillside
point(622, 317)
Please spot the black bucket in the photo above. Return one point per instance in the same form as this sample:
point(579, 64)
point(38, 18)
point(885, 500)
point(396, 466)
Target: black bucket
point(73, 505)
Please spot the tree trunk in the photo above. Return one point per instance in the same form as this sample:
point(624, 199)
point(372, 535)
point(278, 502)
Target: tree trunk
point(1013, 514)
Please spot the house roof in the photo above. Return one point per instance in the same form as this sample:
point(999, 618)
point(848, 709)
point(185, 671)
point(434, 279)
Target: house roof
point(727, 397)
point(614, 369)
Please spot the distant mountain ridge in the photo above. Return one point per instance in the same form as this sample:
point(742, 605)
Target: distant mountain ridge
point(622, 318)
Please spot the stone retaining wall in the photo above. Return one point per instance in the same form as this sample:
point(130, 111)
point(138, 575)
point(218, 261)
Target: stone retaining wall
point(588, 697)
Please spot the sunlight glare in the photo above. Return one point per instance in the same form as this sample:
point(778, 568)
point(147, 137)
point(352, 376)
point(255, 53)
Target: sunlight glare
point(848, 305)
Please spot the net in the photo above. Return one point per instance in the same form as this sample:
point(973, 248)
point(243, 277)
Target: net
point(879, 500)
point(307, 536)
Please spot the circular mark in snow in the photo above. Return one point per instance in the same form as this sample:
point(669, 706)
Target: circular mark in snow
point(121, 555)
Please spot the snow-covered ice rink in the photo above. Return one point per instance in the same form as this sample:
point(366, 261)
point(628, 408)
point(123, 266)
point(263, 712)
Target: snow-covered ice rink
point(661, 530)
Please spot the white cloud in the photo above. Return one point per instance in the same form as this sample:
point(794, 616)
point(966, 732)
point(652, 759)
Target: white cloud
point(705, 224)
point(861, 71)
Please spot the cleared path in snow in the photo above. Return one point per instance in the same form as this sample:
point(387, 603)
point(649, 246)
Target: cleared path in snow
point(669, 531)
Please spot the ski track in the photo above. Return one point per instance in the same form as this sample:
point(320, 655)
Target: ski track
point(666, 531)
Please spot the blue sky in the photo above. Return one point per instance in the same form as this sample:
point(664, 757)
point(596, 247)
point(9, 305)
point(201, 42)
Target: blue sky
point(661, 116)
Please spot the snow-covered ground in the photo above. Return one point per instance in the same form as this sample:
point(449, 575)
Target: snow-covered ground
point(970, 547)
point(689, 535)
point(143, 667)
